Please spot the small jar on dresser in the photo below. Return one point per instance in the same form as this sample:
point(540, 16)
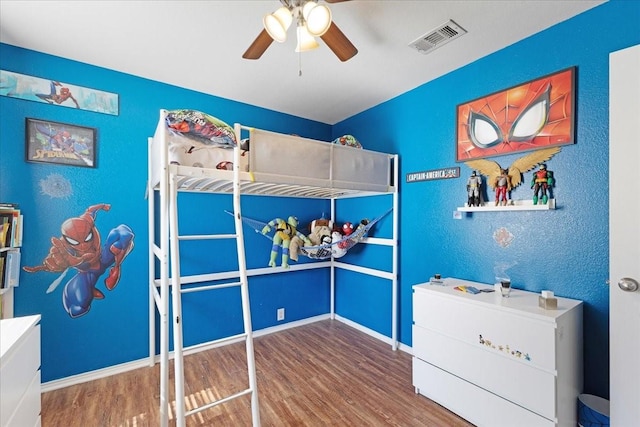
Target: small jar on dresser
point(497, 361)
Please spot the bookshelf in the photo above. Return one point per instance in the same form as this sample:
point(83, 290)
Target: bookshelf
point(10, 243)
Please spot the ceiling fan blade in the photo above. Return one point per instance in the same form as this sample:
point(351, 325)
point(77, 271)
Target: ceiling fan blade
point(339, 43)
point(259, 46)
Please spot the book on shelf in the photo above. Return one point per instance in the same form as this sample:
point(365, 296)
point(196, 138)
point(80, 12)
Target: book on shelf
point(9, 268)
point(10, 242)
point(3, 260)
point(12, 269)
point(4, 231)
point(10, 226)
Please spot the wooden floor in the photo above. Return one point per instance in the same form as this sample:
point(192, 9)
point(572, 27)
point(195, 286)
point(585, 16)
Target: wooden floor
point(321, 374)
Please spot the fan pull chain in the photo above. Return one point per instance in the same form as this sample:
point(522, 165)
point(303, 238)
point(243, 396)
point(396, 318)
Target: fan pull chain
point(299, 64)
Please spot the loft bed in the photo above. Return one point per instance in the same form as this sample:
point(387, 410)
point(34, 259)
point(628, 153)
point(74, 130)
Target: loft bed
point(180, 162)
point(336, 170)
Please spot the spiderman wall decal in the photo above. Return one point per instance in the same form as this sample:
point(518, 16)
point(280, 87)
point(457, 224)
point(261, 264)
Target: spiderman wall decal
point(80, 248)
point(531, 116)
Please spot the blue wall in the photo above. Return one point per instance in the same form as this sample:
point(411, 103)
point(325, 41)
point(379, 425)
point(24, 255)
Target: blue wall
point(565, 250)
point(115, 329)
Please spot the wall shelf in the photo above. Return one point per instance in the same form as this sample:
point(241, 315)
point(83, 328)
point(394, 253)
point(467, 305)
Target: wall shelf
point(513, 205)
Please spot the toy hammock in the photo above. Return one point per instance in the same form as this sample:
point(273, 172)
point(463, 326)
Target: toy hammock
point(324, 251)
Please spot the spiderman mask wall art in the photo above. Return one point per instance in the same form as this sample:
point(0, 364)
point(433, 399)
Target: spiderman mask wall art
point(531, 116)
point(80, 248)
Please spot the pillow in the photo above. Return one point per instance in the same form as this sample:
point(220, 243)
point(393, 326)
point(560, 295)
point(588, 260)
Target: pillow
point(201, 127)
point(348, 140)
point(185, 152)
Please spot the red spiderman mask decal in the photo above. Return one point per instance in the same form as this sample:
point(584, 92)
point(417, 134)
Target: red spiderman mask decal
point(527, 117)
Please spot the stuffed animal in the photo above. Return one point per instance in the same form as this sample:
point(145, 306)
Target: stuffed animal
point(360, 233)
point(298, 241)
point(284, 231)
point(347, 229)
point(320, 228)
point(337, 249)
point(348, 140)
point(320, 235)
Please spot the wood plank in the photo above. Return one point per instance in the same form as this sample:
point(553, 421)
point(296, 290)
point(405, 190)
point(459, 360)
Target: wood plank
point(322, 374)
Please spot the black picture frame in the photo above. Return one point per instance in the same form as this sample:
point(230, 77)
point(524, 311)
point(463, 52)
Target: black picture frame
point(59, 143)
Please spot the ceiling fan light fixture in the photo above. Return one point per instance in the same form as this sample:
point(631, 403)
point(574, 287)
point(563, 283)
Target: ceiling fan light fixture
point(277, 24)
point(317, 18)
point(306, 41)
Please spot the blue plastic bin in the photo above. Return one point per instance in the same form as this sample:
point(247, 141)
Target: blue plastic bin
point(593, 411)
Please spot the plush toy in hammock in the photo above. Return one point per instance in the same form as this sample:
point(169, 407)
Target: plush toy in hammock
point(337, 248)
point(284, 232)
point(320, 231)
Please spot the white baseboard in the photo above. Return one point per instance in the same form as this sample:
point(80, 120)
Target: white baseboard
point(142, 363)
point(373, 333)
point(94, 375)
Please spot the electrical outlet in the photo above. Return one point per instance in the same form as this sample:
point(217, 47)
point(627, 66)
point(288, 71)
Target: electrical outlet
point(280, 314)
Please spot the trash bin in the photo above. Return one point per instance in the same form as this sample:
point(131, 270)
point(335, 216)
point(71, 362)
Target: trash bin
point(593, 411)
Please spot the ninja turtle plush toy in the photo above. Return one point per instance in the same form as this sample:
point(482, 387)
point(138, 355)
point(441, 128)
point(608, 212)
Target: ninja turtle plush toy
point(284, 231)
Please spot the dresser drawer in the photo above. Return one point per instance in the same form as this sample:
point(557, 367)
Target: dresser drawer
point(18, 370)
point(27, 412)
point(500, 373)
point(508, 331)
point(471, 402)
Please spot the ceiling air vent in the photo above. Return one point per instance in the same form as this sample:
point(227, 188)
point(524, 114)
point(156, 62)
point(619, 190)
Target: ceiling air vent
point(438, 37)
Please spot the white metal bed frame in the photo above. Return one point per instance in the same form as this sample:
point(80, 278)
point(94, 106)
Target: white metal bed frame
point(173, 179)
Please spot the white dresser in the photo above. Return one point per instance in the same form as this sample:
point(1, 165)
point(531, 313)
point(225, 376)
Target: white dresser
point(497, 361)
point(20, 372)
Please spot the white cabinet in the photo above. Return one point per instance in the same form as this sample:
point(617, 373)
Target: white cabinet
point(497, 361)
point(20, 372)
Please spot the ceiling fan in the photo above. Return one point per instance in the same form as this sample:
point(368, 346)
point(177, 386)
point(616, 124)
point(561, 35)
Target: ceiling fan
point(312, 20)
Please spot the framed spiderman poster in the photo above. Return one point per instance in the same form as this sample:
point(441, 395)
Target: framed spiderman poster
point(533, 115)
point(61, 143)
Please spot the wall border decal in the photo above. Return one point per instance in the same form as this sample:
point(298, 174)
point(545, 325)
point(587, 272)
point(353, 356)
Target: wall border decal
point(54, 92)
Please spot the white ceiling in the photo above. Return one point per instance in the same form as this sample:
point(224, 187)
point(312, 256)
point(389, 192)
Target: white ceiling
point(199, 45)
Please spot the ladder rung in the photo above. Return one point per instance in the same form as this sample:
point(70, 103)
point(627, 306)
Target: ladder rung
point(207, 236)
point(218, 402)
point(234, 338)
point(156, 296)
point(208, 287)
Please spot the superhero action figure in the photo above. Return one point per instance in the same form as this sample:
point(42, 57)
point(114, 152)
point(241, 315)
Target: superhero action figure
point(505, 180)
point(79, 247)
point(541, 183)
point(502, 185)
point(473, 189)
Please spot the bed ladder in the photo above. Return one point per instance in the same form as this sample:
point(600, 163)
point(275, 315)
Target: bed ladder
point(168, 252)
